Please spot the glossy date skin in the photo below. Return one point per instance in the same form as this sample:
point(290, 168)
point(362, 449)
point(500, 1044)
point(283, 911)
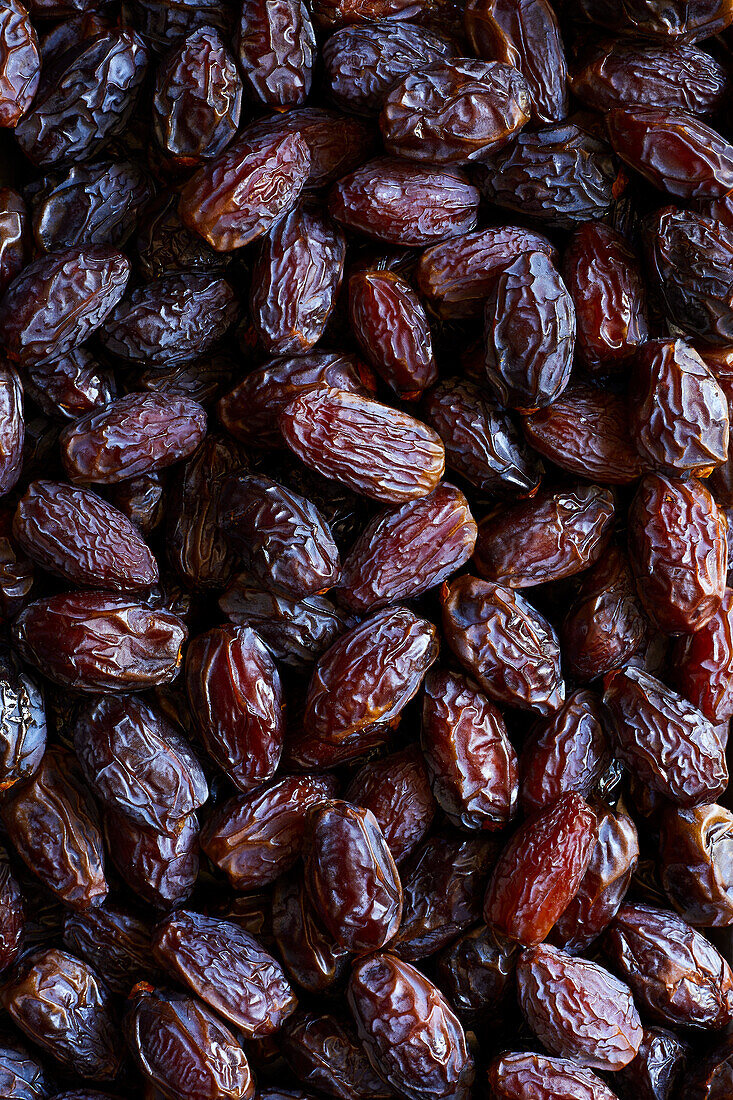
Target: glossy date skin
point(703, 662)
point(161, 868)
point(397, 791)
point(539, 872)
point(276, 47)
point(516, 1076)
point(22, 722)
point(694, 857)
point(14, 234)
point(476, 973)
point(410, 1034)
point(113, 941)
point(234, 690)
point(20, 63)
point(324, 1052)
point(12, 915)
point(12, 427)
point(311, 957)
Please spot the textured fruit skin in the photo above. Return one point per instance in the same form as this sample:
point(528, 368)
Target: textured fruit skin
point(678, 412)
point(578, 1009)
point(529, 326)
point(551, 536)
point(75, 114)
point(409, 1033)
point(240, 194)
point(694, 861)
point(161, 868)
point(134, 435)
point(55, 303)
point(296, 280)
point(507, 646)
point(351, 877)
point(198, 99)
point(176, 1042)
point(363, 62)
point(605, 281)
point(586, 432)
point(77, 535)
point(227, 968)
point(112, 940)
point(362, 683)
point(13, 236)
point(665, 740)
point(526, 35)
point(676, 975)
point(276, 47)
point(404, 203)
point(670, 23)
point(53, 824)
point(658, 1067)
point(481, 441)
point(22, 722)
point(540, 870)
point(12, 427)
point(254, 838)
point(558, 174)
point(471, 762)
point(324, 1051)
point(476, 973)
point(703, 664)
point(454, 112)
point(650, 74)
point(12, 915)
point(135, 761)
point(375, 450)
point(283, 538)
point(566, 752)
point(442, 891)
point(407, 550)
point(604, 884)
point(20, 63)
point(63, 1006)
point(678, 549)
point(397, 791)
point(309, 953)
point(517, 1076)
point(92, 641)
point(392, 329)
point(234, 690)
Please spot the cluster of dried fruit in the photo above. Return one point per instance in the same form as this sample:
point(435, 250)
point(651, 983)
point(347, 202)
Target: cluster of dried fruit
point(366, 655)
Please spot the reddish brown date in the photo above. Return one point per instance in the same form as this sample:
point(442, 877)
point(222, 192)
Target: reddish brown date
point(539, 872)
point(324, 1051)
point(397, 791)
point(375, 450)
point(694, 855)
point(519, 1076)
point(14, 234)
point(254, 838)
point(235, 693)
point(410, 1034)
point(161, 868)
point(703, 664)
point(276, 47)
point(470, 759)
point(504, 643)
point(96, 642)
point(20, 63)
point(12, 916)
point(578, 1009)
point(361, 911)
point(310, 955)
point(551, 536)
point(663, 739)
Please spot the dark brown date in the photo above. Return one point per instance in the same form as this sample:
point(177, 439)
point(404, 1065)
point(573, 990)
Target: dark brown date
point(310, 955)
point(324, 1051)
point(161, 868)
point(12, 427)
point(670, 22)
point(114, 941)
point(504, 643)
point(703, 664)
point(22, 722)
point(476, 973)
point(694, 855)
point(20, 63)
point(14, 242)
point(397, 791)
point(656, 1070)
point(70, 386)
point(519, 1076)
point(276, 48)
point(12, 916)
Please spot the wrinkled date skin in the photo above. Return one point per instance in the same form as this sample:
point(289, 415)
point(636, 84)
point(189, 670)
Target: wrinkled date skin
point(13, 236)
point(663, 739)
point(529, 326)
point(311, 957)
point(22, 722)
point(397, 791)
point(63, 1006)
point(703, 664)
point(373, 449)
point(12, 915)
point(540, 870)
point(134, 435)
point(671, 22)
point(410, 1035)
point(518, 1076)
point(695, 858)
point(325, 1052)
point(98, 642)
point(676, 975)
point(283, 538)
point(255, 838)
point(20, 63)
point(136, 762)
point(679, 551)
point(351, 877)
point(392, 328)
point(176, 1042)
point(481, 441)
point(454, 112)
point(476, 973)
point(578, 1009)
point(507, 646)
point(77, 535)
point(54, 826)
point(161, 868)
point(12, 427)
point(228, 969)
point(405, 551)
point(56, 302)
point(362, 683)
point(276, 47)
point(235, 695)
point(605, 280)
point(240, 194)
point(551, 536)
point(116, 943)
point(657, 1068)
point(471, 762)
point(69, 386)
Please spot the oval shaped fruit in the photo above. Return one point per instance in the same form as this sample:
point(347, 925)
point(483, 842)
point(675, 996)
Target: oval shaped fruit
point(695, 852)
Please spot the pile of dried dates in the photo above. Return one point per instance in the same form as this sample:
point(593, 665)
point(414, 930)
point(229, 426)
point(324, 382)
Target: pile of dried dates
point(366, 655)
